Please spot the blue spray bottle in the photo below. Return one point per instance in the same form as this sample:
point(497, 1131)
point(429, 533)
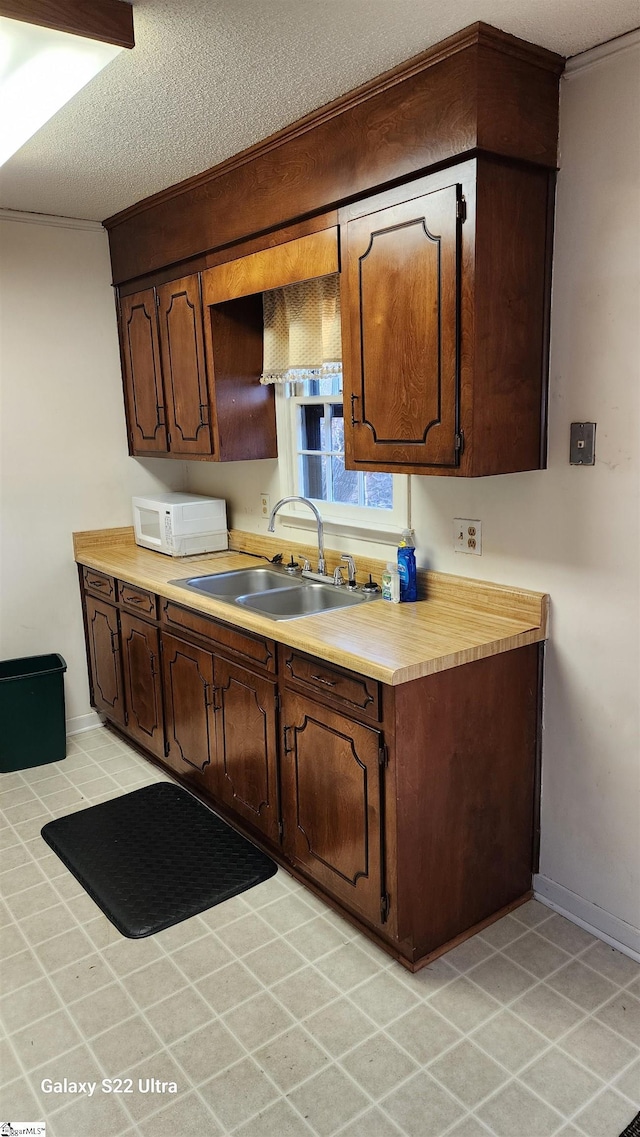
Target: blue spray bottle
point(407, 567)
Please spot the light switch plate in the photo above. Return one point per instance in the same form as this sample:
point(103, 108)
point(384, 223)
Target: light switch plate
point(582, 448)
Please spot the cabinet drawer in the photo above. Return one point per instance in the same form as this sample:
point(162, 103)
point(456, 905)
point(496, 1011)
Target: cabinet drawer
point(255, 649)
point(331, 683)
point(99, 583)
point(137, 599)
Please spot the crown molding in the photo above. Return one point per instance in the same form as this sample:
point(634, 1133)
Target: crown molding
point(109, 21)
point(602, 51)
point(50, 219)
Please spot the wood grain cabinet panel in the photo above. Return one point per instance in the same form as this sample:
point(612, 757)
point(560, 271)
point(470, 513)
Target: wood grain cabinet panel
point(99, 583)
point(103, 641)
point(142, 374)
point(332, 802)
point(137, 600)
point(189, 702)
point(142, 682)
point(343, 689)
point(246, 745)
point(192, 378)
point(183, 365)
point(400, 330)
point(445, 304)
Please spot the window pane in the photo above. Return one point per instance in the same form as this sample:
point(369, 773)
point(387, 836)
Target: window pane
point(345, 482)
point(312, 422)
point(378, 491)
point(337, 427)
point(327, 386)
point(314, 476)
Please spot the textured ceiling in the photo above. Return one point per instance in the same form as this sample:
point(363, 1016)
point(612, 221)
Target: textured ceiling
point(210, 77)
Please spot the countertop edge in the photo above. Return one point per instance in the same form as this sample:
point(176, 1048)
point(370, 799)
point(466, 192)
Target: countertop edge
point(105, 554)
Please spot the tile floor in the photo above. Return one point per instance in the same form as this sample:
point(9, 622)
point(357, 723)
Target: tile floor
point(276, 1019)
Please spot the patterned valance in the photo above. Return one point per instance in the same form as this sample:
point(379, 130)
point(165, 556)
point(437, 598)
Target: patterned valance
point(302, 331)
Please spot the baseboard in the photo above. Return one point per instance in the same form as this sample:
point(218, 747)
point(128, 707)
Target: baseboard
point(83, 722)
point(588, 915)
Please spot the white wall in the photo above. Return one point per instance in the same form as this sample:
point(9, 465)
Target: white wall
point(63, 452)
point(568, 531)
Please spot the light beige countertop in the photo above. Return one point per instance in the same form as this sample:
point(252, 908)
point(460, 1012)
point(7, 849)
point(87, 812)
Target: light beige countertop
point(460, 620)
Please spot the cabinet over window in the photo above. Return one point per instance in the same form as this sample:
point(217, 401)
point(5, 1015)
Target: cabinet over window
point(440, 176)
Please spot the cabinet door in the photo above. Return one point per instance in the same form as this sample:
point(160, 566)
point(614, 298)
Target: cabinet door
point(332, 802)
point(142, 373)
point(400, 331)
point(189, 696)
point(183, 365)
point(246, 745)
point(104, 653)
point(142, 685)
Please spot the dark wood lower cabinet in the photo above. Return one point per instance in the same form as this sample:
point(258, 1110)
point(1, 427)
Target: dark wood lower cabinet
point(103, 635)
point(412, 809)
point(142, 682)
point(332, 801)
point(189, 710)
point(246, 745)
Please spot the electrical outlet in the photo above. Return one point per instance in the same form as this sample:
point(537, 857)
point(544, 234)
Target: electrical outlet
point(467, 536)
point(265, 504)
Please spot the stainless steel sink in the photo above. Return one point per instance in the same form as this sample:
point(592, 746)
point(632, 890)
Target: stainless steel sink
point(238, 582)
point(273, 592)
point(288, 603)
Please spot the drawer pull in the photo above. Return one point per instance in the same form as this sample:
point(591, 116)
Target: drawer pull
point(134, 600)
point(98, 583)
point(323, 679)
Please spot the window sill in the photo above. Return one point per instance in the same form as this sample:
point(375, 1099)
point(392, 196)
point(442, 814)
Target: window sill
point(355, 530)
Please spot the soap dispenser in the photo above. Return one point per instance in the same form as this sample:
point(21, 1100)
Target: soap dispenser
point(407, 567)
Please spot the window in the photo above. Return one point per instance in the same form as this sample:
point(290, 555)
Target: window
point(311, 443)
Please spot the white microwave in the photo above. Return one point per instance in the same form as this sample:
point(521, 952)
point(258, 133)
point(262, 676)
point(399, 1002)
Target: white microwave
point(180, 524)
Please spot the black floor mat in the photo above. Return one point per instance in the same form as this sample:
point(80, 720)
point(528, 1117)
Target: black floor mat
point(633, 1129)
point(154, 857)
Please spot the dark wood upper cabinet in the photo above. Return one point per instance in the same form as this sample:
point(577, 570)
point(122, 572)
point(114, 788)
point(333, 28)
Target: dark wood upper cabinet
point(400, 332)
point(183, 365)
point(441, 174)
point(445, 301)
point(192, 384)
point(142, 373)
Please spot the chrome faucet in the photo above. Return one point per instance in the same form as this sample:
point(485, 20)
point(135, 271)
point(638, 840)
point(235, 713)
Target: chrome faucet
point(322, 567)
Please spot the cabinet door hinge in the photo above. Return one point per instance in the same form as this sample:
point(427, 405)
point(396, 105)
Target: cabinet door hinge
point(461, 209)
point(277, 700)
point(459, 442)
point(383, 755)
point(166, 748)
point(280, 830)
point(126, 717)
point(384, 907)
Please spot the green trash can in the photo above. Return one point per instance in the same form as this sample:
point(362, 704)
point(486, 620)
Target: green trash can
point(32, 726)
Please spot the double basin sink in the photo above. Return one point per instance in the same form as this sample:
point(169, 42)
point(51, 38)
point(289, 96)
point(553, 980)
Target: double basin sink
point(274, 593)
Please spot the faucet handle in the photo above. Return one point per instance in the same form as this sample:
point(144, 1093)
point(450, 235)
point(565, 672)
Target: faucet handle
point(351, 569)
point(337, 575)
